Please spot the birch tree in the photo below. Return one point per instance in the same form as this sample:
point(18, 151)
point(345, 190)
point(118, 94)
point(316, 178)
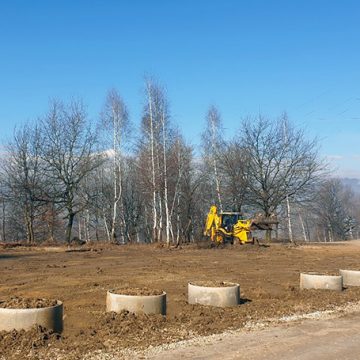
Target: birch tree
point(115, 118)
point(165, 139)
point(152, 152)
point(212, 142)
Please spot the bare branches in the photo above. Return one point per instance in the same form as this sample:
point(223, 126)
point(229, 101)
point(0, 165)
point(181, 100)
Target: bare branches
point(68, 150)
point(281, 162)
point(115, 119)
point(55, 174)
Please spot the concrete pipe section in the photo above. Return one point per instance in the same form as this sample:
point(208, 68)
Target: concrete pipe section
point(148, 304)
point(24, 319)
point(350, 277)
point(221, 296)
point(318, 281)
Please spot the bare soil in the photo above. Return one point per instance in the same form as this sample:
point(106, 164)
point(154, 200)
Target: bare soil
point(137, 291)
point(16, 302)
point(268, 278)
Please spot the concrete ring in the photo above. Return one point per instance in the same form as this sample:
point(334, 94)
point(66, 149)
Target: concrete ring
point(215, 296)
point(350, 277)
point(148, 304)
point(24, 319)
point(318, 281)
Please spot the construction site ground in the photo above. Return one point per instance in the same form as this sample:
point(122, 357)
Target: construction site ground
point(268, 278)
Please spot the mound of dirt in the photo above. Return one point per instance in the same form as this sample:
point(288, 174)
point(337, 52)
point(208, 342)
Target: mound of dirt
point(137, 291)
point(16, 302)
point(19, 344)
point(210, 283)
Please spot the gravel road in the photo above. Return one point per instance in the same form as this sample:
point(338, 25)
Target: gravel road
point(329, 339)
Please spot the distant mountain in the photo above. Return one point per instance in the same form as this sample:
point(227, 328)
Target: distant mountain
point(354, 184)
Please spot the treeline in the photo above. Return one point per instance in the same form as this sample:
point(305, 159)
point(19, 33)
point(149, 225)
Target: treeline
point(64, 176)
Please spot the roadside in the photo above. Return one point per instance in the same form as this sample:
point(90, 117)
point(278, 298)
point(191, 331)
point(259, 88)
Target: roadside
point(325, 338)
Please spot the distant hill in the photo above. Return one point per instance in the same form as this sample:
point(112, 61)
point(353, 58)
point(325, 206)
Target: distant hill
point(353, 183)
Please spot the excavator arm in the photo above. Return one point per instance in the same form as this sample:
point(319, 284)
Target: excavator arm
point(212, 223)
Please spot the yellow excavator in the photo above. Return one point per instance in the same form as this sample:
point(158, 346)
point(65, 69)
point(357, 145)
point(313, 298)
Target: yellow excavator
point(230, 227)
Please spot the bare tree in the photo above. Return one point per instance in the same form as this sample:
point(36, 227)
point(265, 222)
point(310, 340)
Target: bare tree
point(212, 143)
point(183, 186)
point(334, 209)
point(23, 175)
point(68, 150)
point(151, 129)
point(155, 141)
point(115, 118)
point(233, 165)
point(280, 165)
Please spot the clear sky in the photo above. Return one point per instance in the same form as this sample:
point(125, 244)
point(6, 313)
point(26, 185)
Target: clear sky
point(301, 56)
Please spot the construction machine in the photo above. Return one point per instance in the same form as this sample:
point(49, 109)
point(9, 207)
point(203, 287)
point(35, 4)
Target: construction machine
point(231, 227)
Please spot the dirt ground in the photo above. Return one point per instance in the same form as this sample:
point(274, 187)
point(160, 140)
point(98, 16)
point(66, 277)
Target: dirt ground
point(268, 277)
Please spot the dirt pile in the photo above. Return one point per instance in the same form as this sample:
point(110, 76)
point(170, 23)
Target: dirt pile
point(213, 283)
point(137, 291)
point(20, 344)
point(16, 302)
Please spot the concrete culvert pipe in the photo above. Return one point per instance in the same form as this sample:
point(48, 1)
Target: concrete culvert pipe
point(318, 281)
point(224, 295)
point(350, 277)
point(148, 304)
point(24, 319)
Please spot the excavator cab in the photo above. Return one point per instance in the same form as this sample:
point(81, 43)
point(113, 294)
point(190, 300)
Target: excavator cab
point(229, 219)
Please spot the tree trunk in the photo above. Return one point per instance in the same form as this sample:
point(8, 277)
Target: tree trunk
point(29, 225)
point(268, 235)
point(289, 219)
point(160, 229)
point(214, 153)
point(303, 228)
point(3, 222)
point(106, 227)
point(217, 185)
point(167, 217)
point(87, 228)
point(79, 231)
point(69, 226)
point(50, 222)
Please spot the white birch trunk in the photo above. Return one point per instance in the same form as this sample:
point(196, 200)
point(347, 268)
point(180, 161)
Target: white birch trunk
point(87, 228)
point(160, 227)
point(154, 212)
point(176, 193)
point(289, 219)
point(217, 186)
point(116, 171)
point(178, 222)
point(215, 151)
point(166, 202)
point(79, 224)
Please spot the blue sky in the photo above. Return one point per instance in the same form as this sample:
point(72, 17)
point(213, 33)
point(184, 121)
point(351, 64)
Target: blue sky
point(302, 57)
